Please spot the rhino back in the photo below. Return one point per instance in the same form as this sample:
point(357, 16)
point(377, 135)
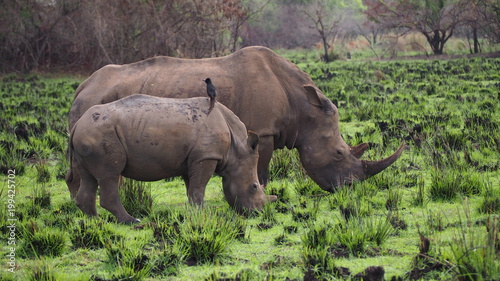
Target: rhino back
point(160, 137)
point(262, 88)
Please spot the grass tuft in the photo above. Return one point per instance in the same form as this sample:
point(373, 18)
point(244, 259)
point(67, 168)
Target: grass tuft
point(136, 197)
point(205, 232)
point(448, 184)
point(43, 173)
point(44, 241)
point(131, 263)
point(476, 252)
point(41, 271)
point(285, 164)
point(91, 233)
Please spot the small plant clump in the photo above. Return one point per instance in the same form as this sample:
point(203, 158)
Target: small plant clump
point(90, 233)
point(475, 253)
point(42, 242)
point(43, 174)
point(130, 262)
point(447, 185)
point(491, 202)
point(205, 233)
point(42, 271)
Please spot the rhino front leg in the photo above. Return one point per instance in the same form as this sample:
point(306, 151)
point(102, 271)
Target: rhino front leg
point(110, 199)
point(196, 181)
point(266, 145)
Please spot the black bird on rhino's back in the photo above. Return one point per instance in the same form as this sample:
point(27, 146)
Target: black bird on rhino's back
point(211, 92)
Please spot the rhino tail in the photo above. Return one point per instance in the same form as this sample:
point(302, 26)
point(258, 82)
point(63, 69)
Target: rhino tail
point(71, 151)
point(70, 177)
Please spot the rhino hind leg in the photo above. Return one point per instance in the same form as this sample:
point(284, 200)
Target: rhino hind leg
point(85, 199)
point(72, 179)
point(197, 179)
point(110, 199)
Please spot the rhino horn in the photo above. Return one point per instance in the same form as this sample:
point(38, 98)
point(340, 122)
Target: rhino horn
point(358, 150)
point(374, 167)
point(272, 198)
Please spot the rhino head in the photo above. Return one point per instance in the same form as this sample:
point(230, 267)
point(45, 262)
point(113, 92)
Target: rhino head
point(326, 157)
point(239, 179)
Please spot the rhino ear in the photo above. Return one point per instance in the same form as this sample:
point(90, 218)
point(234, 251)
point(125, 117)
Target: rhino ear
point(253, 140)
point(318, 99)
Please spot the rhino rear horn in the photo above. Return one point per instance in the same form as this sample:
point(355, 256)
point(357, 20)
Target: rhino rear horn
point(358, 150)
point(374, 167)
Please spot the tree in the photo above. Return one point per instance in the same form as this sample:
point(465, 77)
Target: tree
point(489, 11)
point(325, 22)
point(472, 18)
point(327, 16)
point(367, 28)
point(436, 20)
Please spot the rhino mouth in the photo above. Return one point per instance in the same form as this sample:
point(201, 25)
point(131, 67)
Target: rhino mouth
point(340, 182)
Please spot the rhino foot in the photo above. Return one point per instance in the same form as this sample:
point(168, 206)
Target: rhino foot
point(130, 220)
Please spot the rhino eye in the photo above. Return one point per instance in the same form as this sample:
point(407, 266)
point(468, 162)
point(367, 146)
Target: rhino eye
point(339, 152)
point(255, 186)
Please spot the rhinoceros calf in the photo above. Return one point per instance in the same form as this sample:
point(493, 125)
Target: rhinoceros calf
point(150, 138)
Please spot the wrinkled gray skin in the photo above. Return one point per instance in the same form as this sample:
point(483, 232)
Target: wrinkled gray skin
point(270, 95)
point(150, 138)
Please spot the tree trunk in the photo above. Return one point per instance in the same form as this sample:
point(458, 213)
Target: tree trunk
point(436, 41)
point(325, 47)
point(476, 41)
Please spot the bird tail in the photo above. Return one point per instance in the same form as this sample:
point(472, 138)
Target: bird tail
point(212, 104)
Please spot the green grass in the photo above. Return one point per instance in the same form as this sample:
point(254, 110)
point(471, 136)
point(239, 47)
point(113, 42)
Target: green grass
point(446, 187)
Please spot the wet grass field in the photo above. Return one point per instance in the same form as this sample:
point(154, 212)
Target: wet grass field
point(433, 215)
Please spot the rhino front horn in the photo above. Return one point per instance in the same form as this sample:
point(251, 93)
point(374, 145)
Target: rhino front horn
point(374, 167)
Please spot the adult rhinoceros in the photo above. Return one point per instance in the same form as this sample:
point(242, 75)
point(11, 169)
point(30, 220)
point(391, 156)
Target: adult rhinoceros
point(151, 138)
point(270, 95)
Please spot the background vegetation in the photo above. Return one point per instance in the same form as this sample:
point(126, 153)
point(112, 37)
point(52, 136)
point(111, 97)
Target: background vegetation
point(85, 35)
point(432, 215)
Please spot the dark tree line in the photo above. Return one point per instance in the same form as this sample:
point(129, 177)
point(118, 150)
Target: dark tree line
point(38, 34)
